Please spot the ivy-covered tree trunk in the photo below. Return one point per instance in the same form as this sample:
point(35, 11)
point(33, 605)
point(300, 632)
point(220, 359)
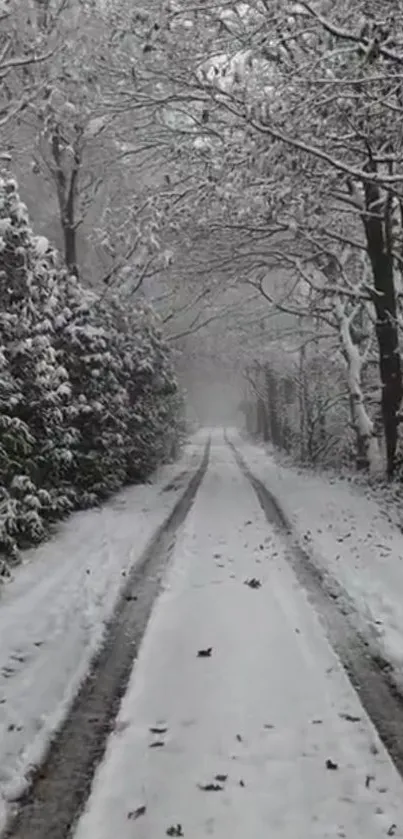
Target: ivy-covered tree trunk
point(302, 400)
point(261, 401)
point(272, 400)
point(262, 425)
point(70, 244)
point(377, 226)
point(66, 178)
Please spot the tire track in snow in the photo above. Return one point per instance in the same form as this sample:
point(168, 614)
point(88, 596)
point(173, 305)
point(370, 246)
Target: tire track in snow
point(368, 673)
point(60, 787)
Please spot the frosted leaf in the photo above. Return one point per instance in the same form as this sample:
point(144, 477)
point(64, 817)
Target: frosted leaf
point(62, 373)
point(64, 390)
point(33, 502)
point(44, 496)
point(34, 521)
point(61, 321)
point(5, 225)
point(21, 211)
point(22, 483)
point(41, 244)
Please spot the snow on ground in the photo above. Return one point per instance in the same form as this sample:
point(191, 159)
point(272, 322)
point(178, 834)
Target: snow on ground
point(258, 719)
point(347, 533)
point(53, 613)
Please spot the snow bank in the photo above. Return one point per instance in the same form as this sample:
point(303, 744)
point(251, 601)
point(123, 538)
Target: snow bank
point(349, 535)
point(245, 733)
point(53, 613)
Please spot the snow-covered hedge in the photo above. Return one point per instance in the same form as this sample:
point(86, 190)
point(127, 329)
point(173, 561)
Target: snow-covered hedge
point(88, 396)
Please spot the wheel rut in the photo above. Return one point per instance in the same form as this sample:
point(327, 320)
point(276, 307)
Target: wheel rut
point(61, 785)
point(369, 674)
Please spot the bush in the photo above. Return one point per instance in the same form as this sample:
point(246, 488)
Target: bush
point(88, 396)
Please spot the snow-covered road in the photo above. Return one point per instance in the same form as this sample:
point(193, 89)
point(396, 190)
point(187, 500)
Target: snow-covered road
point(263, 734)
point(352, 533)
point(53, 614)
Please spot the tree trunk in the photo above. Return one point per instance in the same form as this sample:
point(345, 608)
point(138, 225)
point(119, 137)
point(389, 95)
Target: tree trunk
point(67, 185)
point(302, 400)
point(70, 245)
point(389, 364)
point(378, 235)
point(272, 396)
point(261, 417)
point(367, 453)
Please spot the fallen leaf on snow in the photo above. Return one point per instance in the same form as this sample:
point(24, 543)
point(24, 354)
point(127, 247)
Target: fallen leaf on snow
point(350, 718)
point(392, 830)
point(368, 780)
point(221, 778)
point(205, 653)
point(157, 745)
point(253, 583)
point(156, 729)
point(175, 830)
point(210, 787)
point(135, 814)
point(330, 764)
point(239, 738)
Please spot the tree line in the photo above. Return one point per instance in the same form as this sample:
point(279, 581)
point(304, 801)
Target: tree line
point(273, 131)
point(293, 128)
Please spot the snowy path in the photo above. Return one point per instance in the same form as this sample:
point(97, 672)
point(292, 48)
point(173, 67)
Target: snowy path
point(260, 717)
point(349, 537)
point(53, 614)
